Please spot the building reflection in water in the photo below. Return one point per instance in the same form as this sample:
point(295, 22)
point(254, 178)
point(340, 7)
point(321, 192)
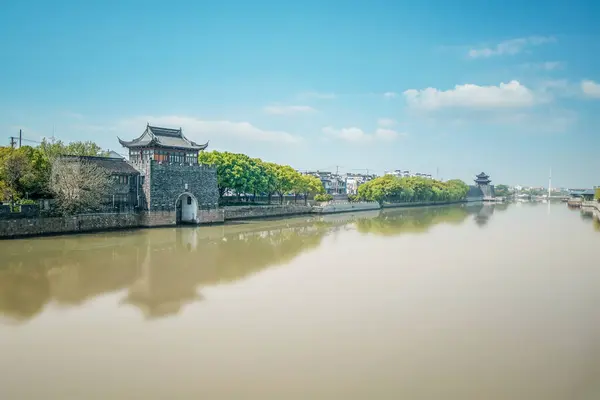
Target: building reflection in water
point(161, 271)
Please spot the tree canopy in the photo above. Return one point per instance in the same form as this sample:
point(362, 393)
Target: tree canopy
point(238, 174)
point(25, 171)
point(389, 188)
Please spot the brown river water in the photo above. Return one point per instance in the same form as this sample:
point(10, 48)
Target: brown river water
point(459, 302)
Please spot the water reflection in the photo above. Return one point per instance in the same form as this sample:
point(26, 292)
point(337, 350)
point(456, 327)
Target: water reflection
point(415, 220)
point(160, 271)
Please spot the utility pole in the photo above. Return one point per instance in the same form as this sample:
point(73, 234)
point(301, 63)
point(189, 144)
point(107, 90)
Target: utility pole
point(13, 142)
point(20, 137)
point(550, 184)
point(337, 178)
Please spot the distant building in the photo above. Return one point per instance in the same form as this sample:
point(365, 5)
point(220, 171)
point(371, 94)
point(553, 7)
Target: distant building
point(353, 181)
point(407, 174)
point(125, 189)
point(334, 184)
point(484, 183)
point(482, 190)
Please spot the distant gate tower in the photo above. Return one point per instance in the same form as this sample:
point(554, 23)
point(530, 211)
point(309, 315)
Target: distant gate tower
point(171, 178)
point(483, 182)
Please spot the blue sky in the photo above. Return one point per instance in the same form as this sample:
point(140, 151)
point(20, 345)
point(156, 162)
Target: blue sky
point(508, 87)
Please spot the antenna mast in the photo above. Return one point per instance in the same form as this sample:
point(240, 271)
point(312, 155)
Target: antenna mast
point(550, 184)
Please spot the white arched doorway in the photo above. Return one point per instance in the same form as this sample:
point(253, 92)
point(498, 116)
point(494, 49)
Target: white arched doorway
point(187, 209)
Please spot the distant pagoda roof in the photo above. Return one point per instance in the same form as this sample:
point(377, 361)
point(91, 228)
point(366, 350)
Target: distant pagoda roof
point(155, 136)
point(483, 179)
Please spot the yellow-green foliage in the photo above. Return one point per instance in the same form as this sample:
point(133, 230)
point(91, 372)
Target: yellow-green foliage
point(241, 174)
point(391, 188)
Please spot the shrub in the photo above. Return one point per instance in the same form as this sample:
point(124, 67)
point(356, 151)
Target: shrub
point(24, 202)
point(597, 195)
point(323, 197)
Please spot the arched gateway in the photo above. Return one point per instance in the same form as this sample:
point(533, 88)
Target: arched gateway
point(172, 185)
point(187, 209)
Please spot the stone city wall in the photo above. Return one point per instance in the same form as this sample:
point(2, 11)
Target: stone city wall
point(340, 207)
point(422, 203)
point(245, 212)
point(74, 224)
point(168, 181)
point(213, 216)
point(158, 218)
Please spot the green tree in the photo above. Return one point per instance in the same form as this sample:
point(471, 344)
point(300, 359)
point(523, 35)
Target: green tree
point(57, 148)
point(502, 190)
point(286, 177)
point(391, 188)
point(308, 185)
point(23, 173)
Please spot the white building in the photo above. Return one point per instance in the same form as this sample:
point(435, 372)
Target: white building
point(406, 174)
point(353, 181)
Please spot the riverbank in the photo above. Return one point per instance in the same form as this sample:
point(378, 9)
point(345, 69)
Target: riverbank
point(591, 207)
point(90, 223)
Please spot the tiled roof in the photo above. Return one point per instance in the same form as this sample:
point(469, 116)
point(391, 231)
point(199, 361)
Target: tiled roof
point(163, 137)
point(112, 165)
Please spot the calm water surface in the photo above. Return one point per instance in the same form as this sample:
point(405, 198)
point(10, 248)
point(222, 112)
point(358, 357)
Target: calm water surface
point(477, 302)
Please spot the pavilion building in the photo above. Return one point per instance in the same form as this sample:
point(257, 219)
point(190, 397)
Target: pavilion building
point(483, 182)
point(172, 181)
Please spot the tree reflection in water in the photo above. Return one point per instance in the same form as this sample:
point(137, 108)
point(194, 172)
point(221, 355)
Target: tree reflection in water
point(159, 271)
point(420, 220)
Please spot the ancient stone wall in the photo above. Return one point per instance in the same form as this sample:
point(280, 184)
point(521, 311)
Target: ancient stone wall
point(340, 207)
point(245, 212)
point(56, 225)
point(213, 216)
point(168, 181)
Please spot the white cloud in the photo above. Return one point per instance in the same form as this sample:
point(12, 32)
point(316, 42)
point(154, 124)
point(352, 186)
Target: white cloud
point(510, 47)
point(318, 95)
point(386, 134)
point(390, 95)
point(354, 134)
point(545, 66)
point(590, 88)
point(386, 122)
point(288, 110)
point(200, 130)
point(506, 95)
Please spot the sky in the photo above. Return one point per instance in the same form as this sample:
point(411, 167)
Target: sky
point(511, 88)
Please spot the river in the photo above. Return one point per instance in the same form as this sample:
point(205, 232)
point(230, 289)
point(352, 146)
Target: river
point(459, 302)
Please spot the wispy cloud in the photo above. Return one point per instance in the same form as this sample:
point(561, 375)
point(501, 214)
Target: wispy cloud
point(506, 95)
point(509, 47)
point(386, 122)
point(287, 110)
point(318, 95)
point(390, 95)
point(590, 88)
point(545, 66)
point(357, 135)
point(202, 130)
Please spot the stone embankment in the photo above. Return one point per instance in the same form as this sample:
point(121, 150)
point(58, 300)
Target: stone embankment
point(14, 225)
point(345, 206)
point(58, 225)
point(591, 206)
point(421, 203)
point(268, 211)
